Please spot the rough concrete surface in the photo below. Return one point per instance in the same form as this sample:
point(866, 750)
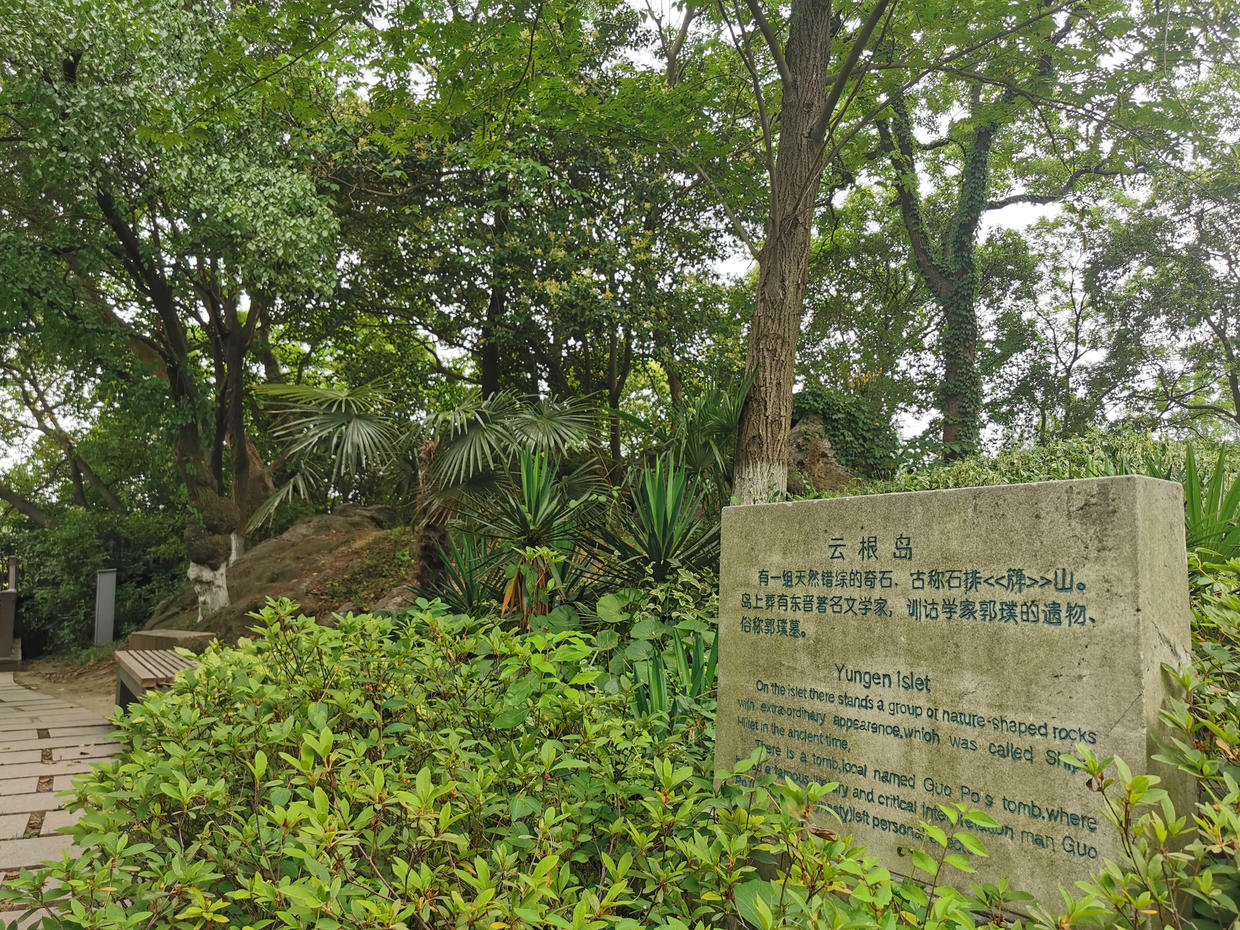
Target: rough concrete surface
point(956, 646)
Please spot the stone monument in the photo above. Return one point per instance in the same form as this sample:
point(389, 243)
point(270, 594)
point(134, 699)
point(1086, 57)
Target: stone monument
point(956, 646)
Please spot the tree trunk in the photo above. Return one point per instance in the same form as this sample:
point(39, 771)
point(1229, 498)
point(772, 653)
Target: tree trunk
point(950, 270)
point(619, 363)
point(211, 587)
point(251, 476)
point(675, 386)
point(783, 263)
point(960, 400)
point(488, 350)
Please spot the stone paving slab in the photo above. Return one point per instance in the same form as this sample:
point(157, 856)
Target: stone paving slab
point(66, 718)
point(13, 826)
point(44, 743)
point(93, 751)
point(26, 803)
point(55, 742)
point(70, 767)
point(67, 782)
point(20, 854)
point(54, 821)
point(95, 730)
point(18, 756)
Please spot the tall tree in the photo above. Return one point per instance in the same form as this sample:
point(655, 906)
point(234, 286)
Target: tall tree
point(822, 75)
point(1096, 90)
point(1165, 279)
point(157, 175)
point(516, 216)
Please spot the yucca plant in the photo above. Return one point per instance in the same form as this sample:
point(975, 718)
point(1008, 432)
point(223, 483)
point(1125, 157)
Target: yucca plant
point(1211, 507)
point(667, 527)
point(472, 578)
point(538, 509)
point(534, 510)
point(694, 677)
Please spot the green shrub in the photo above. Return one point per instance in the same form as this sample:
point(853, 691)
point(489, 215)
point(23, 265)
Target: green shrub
point(429, 770)
point(1082, 457)
point(435, 771)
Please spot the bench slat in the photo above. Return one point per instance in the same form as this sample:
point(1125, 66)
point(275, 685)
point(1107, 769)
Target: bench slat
point(152, 666)
point(130, 664)
point(165, 661)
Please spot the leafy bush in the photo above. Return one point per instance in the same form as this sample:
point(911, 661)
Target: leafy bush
point(1082, 457)
point(432, 771)
point(670, 647)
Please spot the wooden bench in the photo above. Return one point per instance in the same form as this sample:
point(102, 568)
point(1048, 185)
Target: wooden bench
point(140, 670)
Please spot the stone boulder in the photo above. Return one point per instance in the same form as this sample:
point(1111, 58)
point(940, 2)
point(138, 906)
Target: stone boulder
point(306, 564)
point(811, 460)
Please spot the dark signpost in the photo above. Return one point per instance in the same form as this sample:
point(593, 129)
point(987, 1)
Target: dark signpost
point(10, 648)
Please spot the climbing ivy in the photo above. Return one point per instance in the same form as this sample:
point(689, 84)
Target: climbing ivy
point(863, 442)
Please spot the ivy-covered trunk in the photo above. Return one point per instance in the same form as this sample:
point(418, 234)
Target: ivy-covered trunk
point(949, 268)
point(960, 397)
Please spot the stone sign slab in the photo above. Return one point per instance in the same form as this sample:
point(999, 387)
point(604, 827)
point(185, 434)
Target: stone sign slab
point(956, 646)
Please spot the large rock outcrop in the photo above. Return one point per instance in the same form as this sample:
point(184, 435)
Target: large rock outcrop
point(315, 563)
point(811, 460)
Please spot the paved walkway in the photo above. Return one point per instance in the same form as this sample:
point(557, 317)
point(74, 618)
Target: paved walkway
point(44, 743)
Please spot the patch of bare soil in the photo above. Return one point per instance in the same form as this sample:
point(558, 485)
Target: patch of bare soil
point(91, 686)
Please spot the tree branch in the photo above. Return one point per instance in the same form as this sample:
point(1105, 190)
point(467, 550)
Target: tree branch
point(1059, 193)
point(673, 54)
point(895, 138)
point(29, 508)
point(772, 40)
point(733, 219)
point(874, 112)
point(818, 134)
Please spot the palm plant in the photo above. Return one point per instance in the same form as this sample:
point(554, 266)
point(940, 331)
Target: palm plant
point(701, 434)
point(481, 437)
point(334, 435)
point(331, 436)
